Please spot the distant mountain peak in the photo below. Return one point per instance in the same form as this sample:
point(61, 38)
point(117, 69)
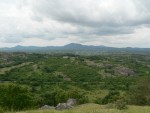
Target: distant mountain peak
point(74, 44)
point(18, 47)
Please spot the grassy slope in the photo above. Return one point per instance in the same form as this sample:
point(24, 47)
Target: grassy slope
point(3, 70)
point(94, 108)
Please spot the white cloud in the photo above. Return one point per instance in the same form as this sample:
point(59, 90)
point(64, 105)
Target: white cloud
point(116, 23)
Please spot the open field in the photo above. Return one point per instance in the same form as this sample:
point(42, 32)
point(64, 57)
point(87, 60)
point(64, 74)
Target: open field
point(95, 108)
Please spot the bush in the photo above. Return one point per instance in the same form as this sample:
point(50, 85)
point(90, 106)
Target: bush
point(53, 97)
point(121, 104)
point(15, 97)
point(1, 110)
point(111, 97)
point(98, 101)
point(113, 100)
point(139, 94)
point(83, 100)
point(79, 95)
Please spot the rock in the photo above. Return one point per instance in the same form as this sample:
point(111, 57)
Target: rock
point(93, 64)
point(62, 106)
point(47, 107)
point(65, 57)
point(120, 70)
point(71, 102)
point(107, 66)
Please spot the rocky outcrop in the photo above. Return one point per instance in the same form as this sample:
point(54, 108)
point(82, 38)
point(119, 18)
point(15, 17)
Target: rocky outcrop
point(121, 70)
point(62, 106)
point(69, 104)
point(47, 107)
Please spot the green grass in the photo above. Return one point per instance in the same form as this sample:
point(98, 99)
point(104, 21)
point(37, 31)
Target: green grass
point(96, 94)
point(95, 108)
point(3, 70)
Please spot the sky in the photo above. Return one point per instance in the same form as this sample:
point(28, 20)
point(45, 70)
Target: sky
point(114, 23)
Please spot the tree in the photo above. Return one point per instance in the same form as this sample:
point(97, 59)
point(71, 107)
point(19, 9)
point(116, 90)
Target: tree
point(15, 97)
point(140, 93)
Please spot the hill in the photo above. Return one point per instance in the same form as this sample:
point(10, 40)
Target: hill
point(73, 47)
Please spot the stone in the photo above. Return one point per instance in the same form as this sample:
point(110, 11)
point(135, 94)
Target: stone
point(71, 102)
point(121, 70)
point(47, 107)
point(62, 106)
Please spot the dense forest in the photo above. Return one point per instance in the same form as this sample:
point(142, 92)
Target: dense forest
point(30, 80)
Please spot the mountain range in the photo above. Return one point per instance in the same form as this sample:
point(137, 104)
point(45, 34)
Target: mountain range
point(72, 47)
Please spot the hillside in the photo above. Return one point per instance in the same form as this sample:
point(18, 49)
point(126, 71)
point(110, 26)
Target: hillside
point(49, 79)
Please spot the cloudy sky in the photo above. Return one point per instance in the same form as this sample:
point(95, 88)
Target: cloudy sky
point(116, 23)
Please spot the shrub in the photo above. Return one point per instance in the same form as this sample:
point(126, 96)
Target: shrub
point(15, 97)
point(1, 110)
point(98, 101)
point(121, 104)
point(79, 95)
point(83, 100)
point(139, 94)
point(53, 97)
point(111, 97)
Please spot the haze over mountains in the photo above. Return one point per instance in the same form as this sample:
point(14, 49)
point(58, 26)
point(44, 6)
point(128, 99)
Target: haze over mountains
point(72, 47)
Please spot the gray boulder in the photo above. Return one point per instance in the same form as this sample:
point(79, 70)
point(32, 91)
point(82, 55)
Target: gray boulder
point(47, 107)
point(62, 106)
point(71, 102)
